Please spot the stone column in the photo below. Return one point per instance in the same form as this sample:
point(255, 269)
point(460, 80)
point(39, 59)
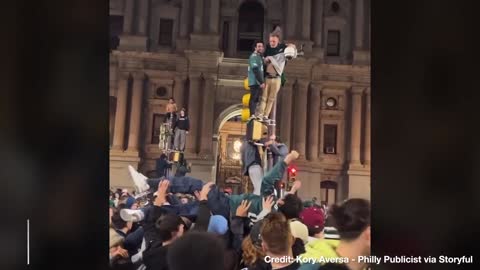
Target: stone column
point(136, 111)
point(318, 22)
point(300, 124)
point(356, 125)
point(198, 17)
point(120, 113)
point(306, 17)
point(214, 16)
point(142, 17)
point(291, 24)
point(313, 129)
point(359, 23)
point(193, 113)
point(224, 138)
point(179, 92)
point(367, 127)
point(208, 103)
point(286, 113)
point(184, 18)
point(128, 17)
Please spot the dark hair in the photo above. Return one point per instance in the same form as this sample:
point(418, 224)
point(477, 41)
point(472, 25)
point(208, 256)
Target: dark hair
point(172, 99)
point(117, 221)
point(163, 156)
point(256, 42)
point(166, 225)
point(351, 218)
point(292, 206)
point(313, 231)
point(276, 234)
point(204, 251)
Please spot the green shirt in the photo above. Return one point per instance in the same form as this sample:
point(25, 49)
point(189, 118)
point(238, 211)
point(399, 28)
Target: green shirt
point(268, 184)
point(255, 62)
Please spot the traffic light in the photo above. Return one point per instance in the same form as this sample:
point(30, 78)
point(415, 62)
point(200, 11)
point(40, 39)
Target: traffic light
point(246, 101)
point(292, 173)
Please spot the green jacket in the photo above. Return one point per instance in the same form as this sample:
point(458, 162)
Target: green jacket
point(268, 184)
point(255, 69)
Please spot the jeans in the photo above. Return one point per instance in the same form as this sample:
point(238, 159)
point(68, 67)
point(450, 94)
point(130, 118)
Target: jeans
point(255, 94)
point(180, 138)
point(255, 172)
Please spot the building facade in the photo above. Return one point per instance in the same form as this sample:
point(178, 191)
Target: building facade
point(196, 51)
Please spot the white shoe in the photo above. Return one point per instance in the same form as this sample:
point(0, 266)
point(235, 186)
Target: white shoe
point(132, 215)
point(139, 180)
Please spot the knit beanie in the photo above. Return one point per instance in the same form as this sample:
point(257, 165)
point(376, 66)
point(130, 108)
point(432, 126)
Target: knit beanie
point(218, 224)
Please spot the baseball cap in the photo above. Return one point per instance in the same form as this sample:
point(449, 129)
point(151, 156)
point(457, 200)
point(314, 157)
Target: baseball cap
point(299, 230)
point(313, 217)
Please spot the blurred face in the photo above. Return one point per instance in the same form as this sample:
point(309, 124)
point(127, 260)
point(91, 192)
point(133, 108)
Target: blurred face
point(134, 206)
point(117, 195)
point(184, 200)
point(170, 101)
point(182, 113)
point(259, 48)
point(273, 41)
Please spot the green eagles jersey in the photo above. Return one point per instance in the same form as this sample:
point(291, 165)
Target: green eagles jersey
point(255, 61)
point(268, 184)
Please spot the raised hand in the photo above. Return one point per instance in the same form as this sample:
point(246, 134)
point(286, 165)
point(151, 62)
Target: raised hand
point(204, 192)
point(291, 156)
point(297, 184)
point(161, 193)
point(242, 209)
point(267, 203)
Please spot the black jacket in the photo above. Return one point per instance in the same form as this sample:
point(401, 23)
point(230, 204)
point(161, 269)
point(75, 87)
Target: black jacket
point(155, 258)
point(182, 123)
point(161, 167)
point(250, 156)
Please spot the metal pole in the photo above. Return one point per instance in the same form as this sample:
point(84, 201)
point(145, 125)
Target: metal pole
point(271, 131)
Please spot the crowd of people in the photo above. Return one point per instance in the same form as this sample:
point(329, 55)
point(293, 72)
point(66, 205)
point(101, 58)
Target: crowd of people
point(185, 223)
point(179, 222)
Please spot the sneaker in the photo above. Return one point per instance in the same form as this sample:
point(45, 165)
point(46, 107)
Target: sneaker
point(139, 180)
point(252, 117)
point(132, 215)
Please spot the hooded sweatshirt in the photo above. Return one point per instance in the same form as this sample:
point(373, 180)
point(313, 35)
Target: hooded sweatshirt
point(322, 251)
point(182, 123)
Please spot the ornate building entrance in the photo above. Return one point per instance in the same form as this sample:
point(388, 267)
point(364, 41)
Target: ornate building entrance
point(229, 167)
